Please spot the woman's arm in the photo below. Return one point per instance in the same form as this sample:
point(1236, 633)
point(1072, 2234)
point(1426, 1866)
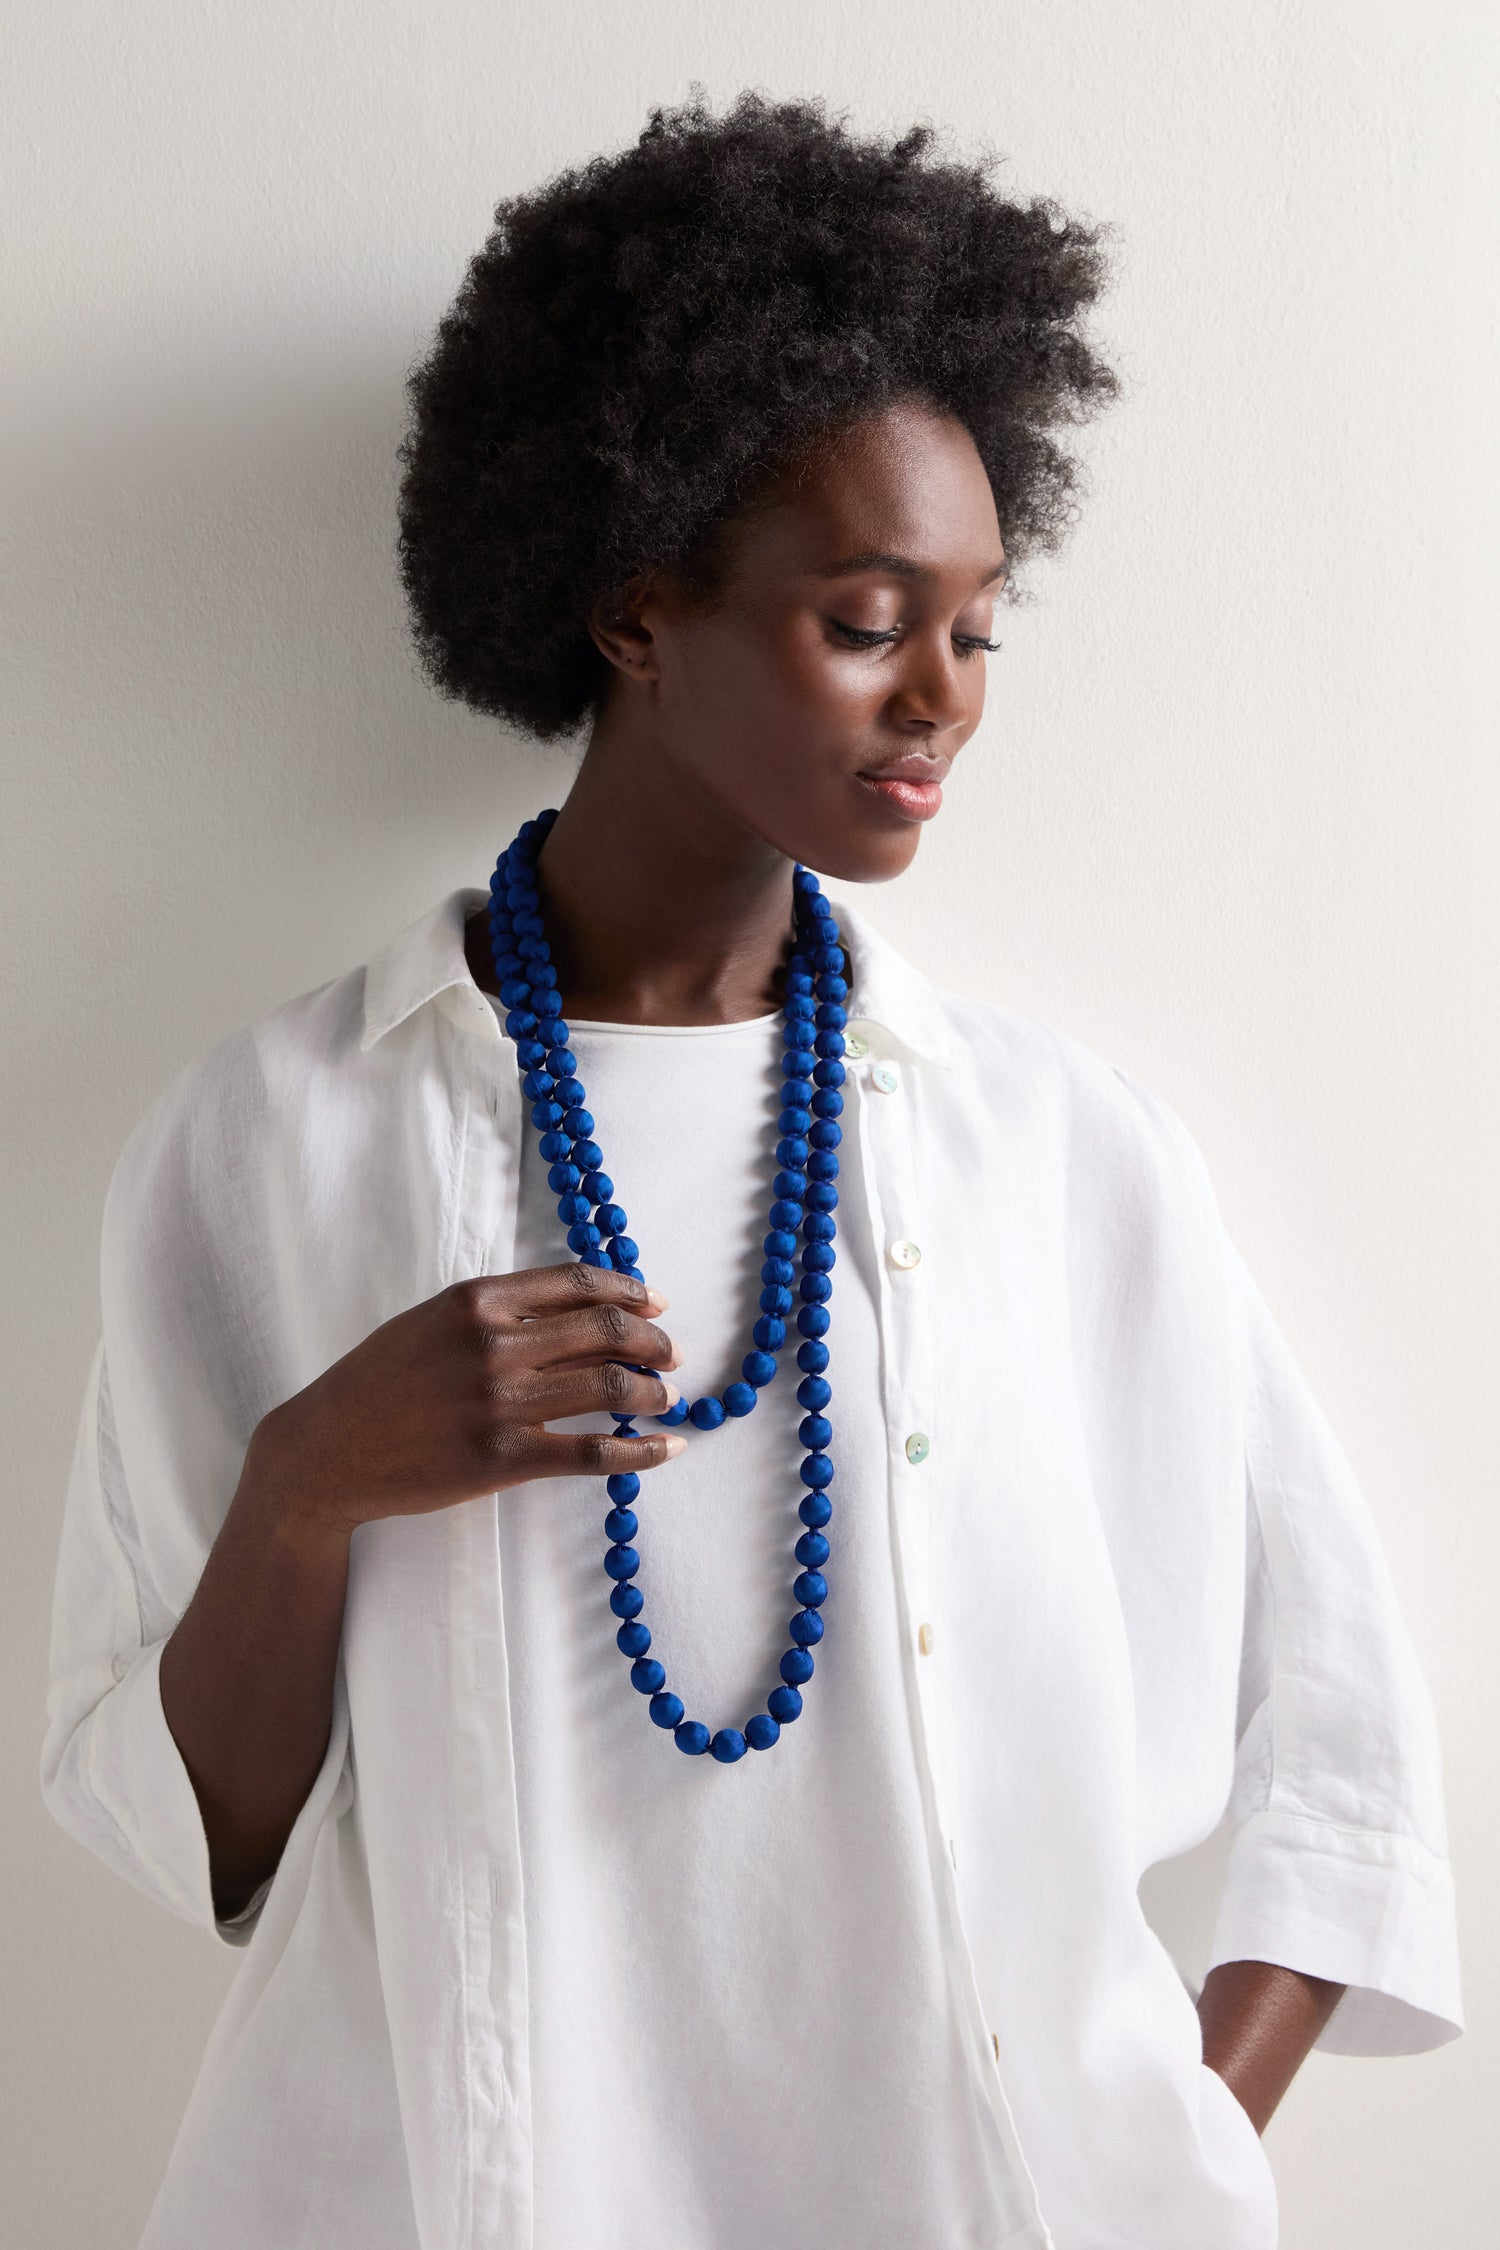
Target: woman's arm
point(443, 1403)
point(1259, 2023)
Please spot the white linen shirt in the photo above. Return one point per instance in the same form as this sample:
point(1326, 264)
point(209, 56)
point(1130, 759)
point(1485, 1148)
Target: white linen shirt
point(1137, 1587)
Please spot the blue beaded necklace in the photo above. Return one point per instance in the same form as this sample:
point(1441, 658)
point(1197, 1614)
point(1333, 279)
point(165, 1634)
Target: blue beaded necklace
point(806, 1195)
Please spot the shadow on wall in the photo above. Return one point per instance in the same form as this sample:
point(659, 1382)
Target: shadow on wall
point(219, 727)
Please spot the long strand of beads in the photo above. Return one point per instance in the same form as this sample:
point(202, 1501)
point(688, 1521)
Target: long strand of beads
point(805, 1199)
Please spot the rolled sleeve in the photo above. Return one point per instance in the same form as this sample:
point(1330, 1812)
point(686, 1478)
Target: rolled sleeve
point(111, 1772)
point(1338, 1862)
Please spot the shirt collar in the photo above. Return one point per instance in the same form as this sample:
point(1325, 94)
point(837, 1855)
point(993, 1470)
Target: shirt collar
point(426, 962)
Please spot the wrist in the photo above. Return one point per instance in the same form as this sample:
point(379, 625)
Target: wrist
point(272, 1495)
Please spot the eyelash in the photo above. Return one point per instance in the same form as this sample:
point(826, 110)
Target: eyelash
point(864, 636)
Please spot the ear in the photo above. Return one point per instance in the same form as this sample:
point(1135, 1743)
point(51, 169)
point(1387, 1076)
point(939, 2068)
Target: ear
point(619, 629)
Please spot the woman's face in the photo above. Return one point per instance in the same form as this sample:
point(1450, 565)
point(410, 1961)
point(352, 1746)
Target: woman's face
point(821, 696)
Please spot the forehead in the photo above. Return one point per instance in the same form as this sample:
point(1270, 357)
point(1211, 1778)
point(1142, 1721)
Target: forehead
point(907, 480)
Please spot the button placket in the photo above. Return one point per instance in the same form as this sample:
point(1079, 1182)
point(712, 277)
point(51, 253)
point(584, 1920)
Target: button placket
point(888, 1153)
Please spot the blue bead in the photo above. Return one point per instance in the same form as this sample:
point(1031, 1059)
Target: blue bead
point(768, 1333)
point(520, 1023)
point(706, 1413)
point(570, 1093)
point(815, 1289)
point(784, 1705)
point(776, 1301)
point(563, 1178)
point(571, 1207)
point(582, 1237)
point(826, 1043)
point(784, 1215)
point(648, 1677)
point(793, 1151)
point(798, 981)
point(815, 1508)
point(792, 1186)
point(621, 1524)
point(537, 1085)
point(634, 1639)
point(828, 957)
point(830, 1016)
point(818, 1227)
point(627, 1600)
point(813, 1393)
point(781, 1243)
point(727, 1745)
point(829, 1072)
point(674, 1415)
point(806, 1627)
point(610, 1218)
point(822, 1195)
point(739, 1398)
point(814, 1431)
point(762, 1731)
point(813, 1321)
point(796, 1667)
point(797, 1062)
point(561, 1060)
point(623, 1487)
point(589, 1256)
point(816, 1471)
point(811, 1590)
point(781, 1271)
point(666, 1709)
point(812, 1358)
point(797, 1093)
point(546, 1114)
point(832, 987)
point(797, 1122)
point(758, 1369)
point(626, 1253)
point(827, 1103)
point(811, 1550)
point(598, 1186)
point(692, 1736)
point(554, 1145)
point(622, 1562)
point(586, 1153)
point(825, 1137)
point(819, 1257)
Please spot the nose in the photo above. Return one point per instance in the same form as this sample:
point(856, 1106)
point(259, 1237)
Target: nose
point(933, 696)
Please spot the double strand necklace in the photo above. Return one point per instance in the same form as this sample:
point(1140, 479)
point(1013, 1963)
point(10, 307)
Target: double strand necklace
point(806, 1196)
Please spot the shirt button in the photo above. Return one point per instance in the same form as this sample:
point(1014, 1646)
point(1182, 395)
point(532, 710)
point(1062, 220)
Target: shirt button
point(905, 1254)
point(856, 1044)
point(924, 1639)
point(886, 1077)
point(918, 1446)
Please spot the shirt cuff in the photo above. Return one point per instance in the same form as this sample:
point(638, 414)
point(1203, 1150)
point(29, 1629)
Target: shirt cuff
point(140, 1784)
point(1362, 1908)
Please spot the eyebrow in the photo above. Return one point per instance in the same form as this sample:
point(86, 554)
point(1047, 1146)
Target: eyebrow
point(894, 566)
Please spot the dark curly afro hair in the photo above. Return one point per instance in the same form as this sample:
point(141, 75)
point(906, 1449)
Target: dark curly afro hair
point(646, 340)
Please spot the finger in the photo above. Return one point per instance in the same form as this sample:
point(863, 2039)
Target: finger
point(591, 1454)
point(605, 1386)
point(602, 1332)
point(500, 1299)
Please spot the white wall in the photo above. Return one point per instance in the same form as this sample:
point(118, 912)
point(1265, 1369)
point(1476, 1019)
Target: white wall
point(1232, 819)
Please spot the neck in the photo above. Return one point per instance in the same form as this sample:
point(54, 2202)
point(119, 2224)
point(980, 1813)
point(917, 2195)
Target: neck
point(660, 906)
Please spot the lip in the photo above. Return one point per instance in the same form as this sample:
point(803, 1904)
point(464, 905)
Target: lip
point(912, 787)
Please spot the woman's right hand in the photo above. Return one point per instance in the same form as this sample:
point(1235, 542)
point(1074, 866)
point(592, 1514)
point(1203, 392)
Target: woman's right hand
point(451, 1399)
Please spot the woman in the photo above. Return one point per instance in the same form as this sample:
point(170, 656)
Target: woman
point(723, 457)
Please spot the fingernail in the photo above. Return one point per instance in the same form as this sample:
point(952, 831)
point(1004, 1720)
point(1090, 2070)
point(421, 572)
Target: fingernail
point(673, 1393)
point(675, 1445)
point(676, 1358)
point(656, 1300)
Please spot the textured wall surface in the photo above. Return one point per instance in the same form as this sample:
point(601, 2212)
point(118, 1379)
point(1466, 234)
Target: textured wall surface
point(1232, 817)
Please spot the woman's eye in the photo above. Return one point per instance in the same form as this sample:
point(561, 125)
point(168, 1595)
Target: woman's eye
point(866, 636)
point(863, 636)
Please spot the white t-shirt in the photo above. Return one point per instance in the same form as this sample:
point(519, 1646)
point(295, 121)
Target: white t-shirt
point(740, 2028)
